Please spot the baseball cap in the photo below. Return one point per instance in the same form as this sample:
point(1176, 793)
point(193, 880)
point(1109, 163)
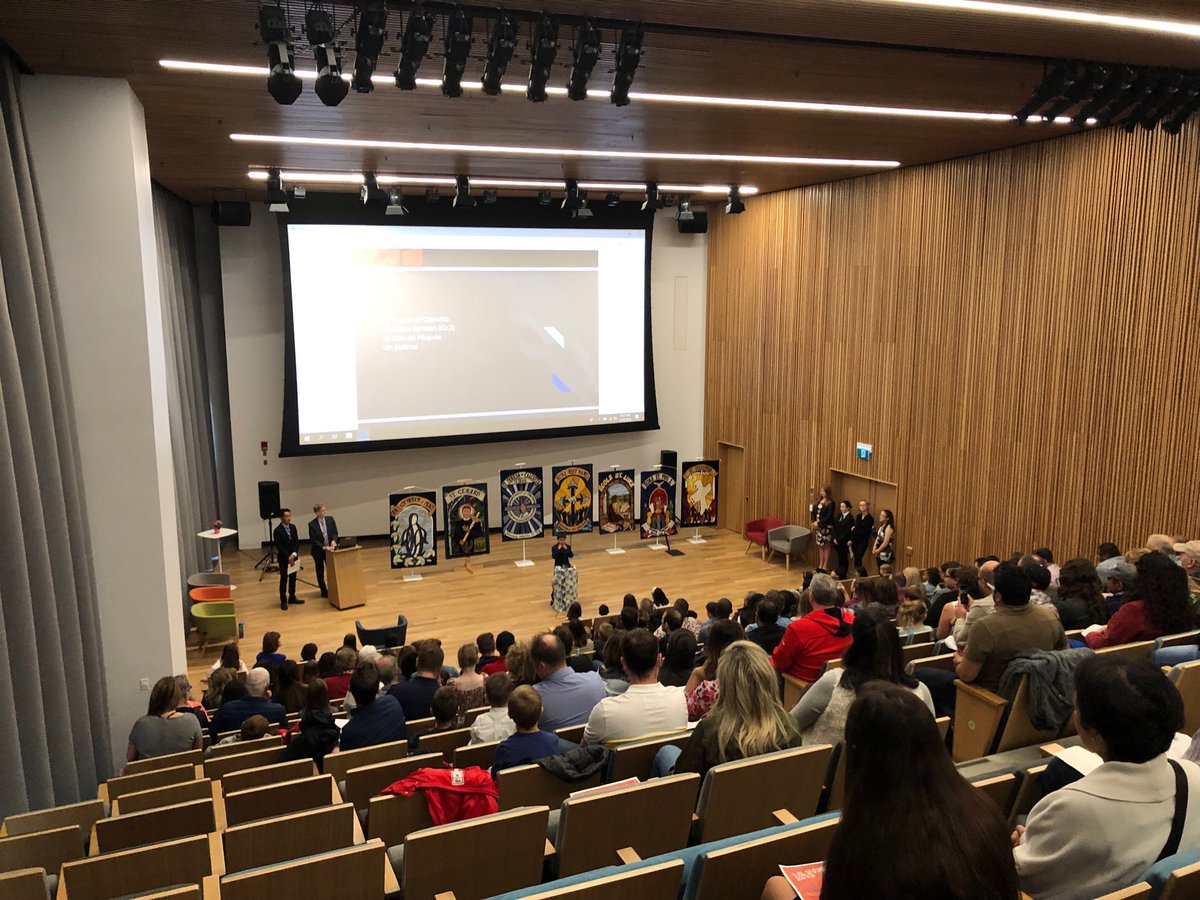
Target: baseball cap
point(1191, 548)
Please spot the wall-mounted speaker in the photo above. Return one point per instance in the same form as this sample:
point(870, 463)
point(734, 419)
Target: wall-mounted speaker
point(231, 212)
point(268, 499)
point(697, 224)
point(669, 459)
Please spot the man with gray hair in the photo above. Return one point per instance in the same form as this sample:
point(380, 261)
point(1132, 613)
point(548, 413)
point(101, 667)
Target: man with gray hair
point(368, 654)
point(257, 702)
point(813, 640)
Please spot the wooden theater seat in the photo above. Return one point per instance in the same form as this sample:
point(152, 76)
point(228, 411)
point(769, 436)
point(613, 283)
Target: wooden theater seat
point(155, 825)
point(739, 872)
point(266, 842)
point(365, 782)
point(140, 801)
point(278, 799)
point(357, 872)
point(185, 861)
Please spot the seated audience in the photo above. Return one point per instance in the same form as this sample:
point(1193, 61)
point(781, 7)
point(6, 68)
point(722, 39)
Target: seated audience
point(338, 681)
point(486, 645)
point(252, 729)
point(519, 664)
point(270, 655)
point(822, 635)
point(567, 696)
point(187, 704)
point(495, 724)
point(317, 733)
point(600, 635)
point(946, 592)
point(690, 622)
point(528, 743)
point(1119, 581)
point(703, 687)
point(350, 639)
point(444, 709)
point(1080, 602)
point(611, 673)
point(504, 641)
point(671, 621)
point(873, 655)
point(230, 659)
point(375, 719)
point(327, 664)
point(977, 608)
point(679, 660)
point(308, 653)
point(721, 610)
point(416, 694)
point(468, 686)
point(1108, 556)
point(646, 708)
point(257, 702)
point(1158, 605)
point(235, 689)
point(935, 836)
point(1039, 579)
point(910, 622)
point(216, 685)
point(576, 661)
point(1103, 831)
point(292, 693)
point(971, 588)
point(767, 631)
point(164, 729)
point(1189, 559)
point(1046, 558)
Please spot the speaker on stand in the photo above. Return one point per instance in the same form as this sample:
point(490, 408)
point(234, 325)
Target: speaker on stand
point(268, 509)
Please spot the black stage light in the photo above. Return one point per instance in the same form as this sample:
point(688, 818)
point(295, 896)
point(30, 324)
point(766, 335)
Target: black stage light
point(500, 50)
point(1117, 80)
point(395, 204)
point(735, 204)
point(583, 60)
point(282, 82)
point(544, 48)
point(653, 200)
point(371, 192)
point(629, 57)
point(277, 198)
point(368, 43)
point(331, 87)
point(413, 47)
point(1157, 87)
point(299, 192)
point(462, 193)
point(612, 198)
point(1091, 80)
point(1174, 122)
point(1129, 96)
point(1061, 77)
point(544, 198)
point(1172, 93)
point(432, 195)
point(575, 202)
point(685, 213)
point(489, 198)
point(457, 46)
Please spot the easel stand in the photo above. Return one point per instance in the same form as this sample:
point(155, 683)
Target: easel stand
point(614, 550)
point(524, 562)
point(658, 544)
point(268, 563)
point(696, 539)
point(671, 552)
point(412, 576)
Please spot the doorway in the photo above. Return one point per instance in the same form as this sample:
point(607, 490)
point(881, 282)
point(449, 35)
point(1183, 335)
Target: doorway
point(880, 494)
point(731, 504)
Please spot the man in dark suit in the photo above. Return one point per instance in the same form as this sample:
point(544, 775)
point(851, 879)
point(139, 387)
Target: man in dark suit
point(322, 536)
point(843, 530)
point(287, 549)
point(862, 535)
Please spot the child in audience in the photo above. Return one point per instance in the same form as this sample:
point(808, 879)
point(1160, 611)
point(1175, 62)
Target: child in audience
point(486, 645)
point(216, 685)
point(504, 641)
point(910, 620)
point(444, 707)
point(528, 743)
point(468, 686)
point(308, 653)
point(495, 724)
point(230, 659)
point(253, 728)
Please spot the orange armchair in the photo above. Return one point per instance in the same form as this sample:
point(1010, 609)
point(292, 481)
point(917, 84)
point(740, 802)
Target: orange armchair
point(756, 533)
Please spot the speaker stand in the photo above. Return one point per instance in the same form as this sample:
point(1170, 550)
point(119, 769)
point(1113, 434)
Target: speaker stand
point(268, 563)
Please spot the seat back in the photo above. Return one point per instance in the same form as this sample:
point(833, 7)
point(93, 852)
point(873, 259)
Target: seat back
point(572, 733)
point(1139, 891)
point(47, 850)
point(237, 748)
point(444, 742)
point(1187, 679)
point(393, 817)
point(533, 786)
point(82, 815)
point(635, 759)
point(24, 884)
point(218, 768)
point(482, 755)
point(656, 882)
point(208, 579)
point(351, 872)
point(939, 661)
point(506, 851)
point(793, 690)
point(1133, 650)
point(978, 714)
point(916, 651)
point(1183, 884)
point(1178, 640)
point(155, 825)
point(138, 871)
point(740, 796)
point(186, 758)
point(1018, 730)
point(365, 782)
point(211, 592)
point(270, 841)
point(738, 872)
point(469, 717)
point(338, 764)
point(143, 781)
point(140, 801)
point(1029, 792)
point(277, 799)
point(999, 789)
point(260, 775)
point(654, 817)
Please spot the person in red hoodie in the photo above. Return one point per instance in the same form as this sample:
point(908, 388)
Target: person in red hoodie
point(822, 635)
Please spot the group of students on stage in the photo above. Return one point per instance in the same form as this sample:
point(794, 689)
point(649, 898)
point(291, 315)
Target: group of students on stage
point(847, 534)
point(322, 536)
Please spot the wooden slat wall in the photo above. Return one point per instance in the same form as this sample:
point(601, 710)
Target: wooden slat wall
point(1017, 333)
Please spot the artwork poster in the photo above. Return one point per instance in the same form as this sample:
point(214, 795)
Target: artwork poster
point(658, 503)
point(521, 504)
point(465, 509)
point(615, 492)
point(413, 526)
point(573, 487)
point(698, 492)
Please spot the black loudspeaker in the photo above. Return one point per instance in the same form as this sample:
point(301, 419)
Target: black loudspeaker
point(669, 459)
point(231, 212)
point(268, 499)
point(698, 224)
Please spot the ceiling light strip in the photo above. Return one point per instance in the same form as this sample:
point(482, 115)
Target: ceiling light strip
point(1074, 16)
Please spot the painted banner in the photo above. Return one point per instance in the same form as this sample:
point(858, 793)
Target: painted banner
point(658, 503)
point(465, 509)
point(413, 518)
point(521, 504)
point(618, 511)
point(572, 499)
point(698, 497)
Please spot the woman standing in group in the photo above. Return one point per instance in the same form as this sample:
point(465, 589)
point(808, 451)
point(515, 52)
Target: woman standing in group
point(884, 550)
point(820, 511)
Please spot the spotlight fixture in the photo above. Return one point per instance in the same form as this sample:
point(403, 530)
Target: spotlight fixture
point(318, 29)
point(629, 57)
point(277, 198)
point(299, 192)
point(583, 60)
point(462, 193)
point(457, 45)
point(1090, 80)
point(413, 46)
point(1173, 123)
point(371, 192)
point(653, 201)
point(432, 195)
point(685, 213)
point(1060, 78)
point(544, 48)
point(395, 204)
point(368, 43)
point(282, 82)
point(612, 198)
point(500, 50)
point(1172, 91)
point(544, 198)
point(489, 197)
point(1118, 81)
point(735, 205)
point(575, 201)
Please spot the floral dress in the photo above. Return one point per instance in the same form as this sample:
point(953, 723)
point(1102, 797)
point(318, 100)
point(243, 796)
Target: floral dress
point(701, 699)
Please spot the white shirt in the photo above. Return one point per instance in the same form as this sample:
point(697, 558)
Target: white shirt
point(641, 711)
point(493, 725)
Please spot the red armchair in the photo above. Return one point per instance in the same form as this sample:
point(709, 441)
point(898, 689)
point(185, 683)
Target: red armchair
point(756, 533)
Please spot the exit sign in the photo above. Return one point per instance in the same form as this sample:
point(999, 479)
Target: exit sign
point(863, 451)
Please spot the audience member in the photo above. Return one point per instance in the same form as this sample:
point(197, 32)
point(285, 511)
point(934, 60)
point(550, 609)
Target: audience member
point(257, 702)
point(253, 729)
point(187, 703)
point(646, 708)
point(873, 655)
point(1039, 583)
point(504, 640)
point(528, 743)
point(164, 729)
point(308, 653)
point(350, 639)
point(495, 724)
point(567, 696)
point(1119, 583)
point(600, 635)
point(1101, 833)
point(270, 655)
point(910, 622)
point(1160, 543)
point(486, 645)
point(671, 621)
point(444, 709)
point(1046, 558)
point(721, 612)
point(338, 682)
point(946, 592)
point(575, 661)
point(519, 664)
point(1107, 557)
point(234, 690)
point(1189, 558)
point(767, 632)
point(230, 659)
point(703, 687)
point(318, 733)
point(679, 660)
point(690, 622)
point(971, 589)
point(822, 635)
point(1080, 602)
point(416, 694)
point(1158, 605)
point(375, 719)
point(327, 664)
point(216, 684)
point(468, 686)
point(628, 619)
point(406, 664)
point(611, 672)
point(292, 693)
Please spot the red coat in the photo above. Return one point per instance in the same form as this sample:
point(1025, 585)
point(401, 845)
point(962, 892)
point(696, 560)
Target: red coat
point(452, 795)
point(1129, 623)
point(811, 642)
point(338, 685)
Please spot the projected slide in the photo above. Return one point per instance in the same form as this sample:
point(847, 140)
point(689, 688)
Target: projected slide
point(431, 332)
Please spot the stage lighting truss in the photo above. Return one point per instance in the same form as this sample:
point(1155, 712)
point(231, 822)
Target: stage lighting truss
point(543, 48)
point(368, 43)
point(418, 32)
point(584, 56)
point(501, 44)
point(283, 83)
point(321, 35)
point(457, 46)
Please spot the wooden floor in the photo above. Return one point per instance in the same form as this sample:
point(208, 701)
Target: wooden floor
point(453, 605)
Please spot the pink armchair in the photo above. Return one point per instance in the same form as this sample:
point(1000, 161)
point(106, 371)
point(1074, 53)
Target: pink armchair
point(756, 533)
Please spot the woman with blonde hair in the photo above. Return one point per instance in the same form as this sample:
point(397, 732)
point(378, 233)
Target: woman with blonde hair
point(520, 664)
point(468, 686)
point(746, 720)
point(910, 620)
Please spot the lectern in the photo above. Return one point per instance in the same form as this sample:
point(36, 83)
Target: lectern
point(345, 578)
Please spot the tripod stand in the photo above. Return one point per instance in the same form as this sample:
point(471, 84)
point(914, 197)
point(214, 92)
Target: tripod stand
point(268, 563)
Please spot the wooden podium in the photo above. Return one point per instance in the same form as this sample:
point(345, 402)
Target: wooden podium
point(344, 577)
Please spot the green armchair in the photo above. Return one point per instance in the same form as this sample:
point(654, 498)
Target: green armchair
point(216, 621)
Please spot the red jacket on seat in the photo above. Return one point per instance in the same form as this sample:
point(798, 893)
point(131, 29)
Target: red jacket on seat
point(452, 795)
point(811, 642)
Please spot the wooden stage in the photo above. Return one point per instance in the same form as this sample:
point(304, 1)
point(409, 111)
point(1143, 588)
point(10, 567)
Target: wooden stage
point(454, 605)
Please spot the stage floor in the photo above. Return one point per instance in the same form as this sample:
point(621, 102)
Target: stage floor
point(454, 605)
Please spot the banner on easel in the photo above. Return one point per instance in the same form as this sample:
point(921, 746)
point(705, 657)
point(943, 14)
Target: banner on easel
point(615, 493)
point(465, 509)
point(658, 503)
point(521, 504)
point(698, 500)
point(572, 498)
point(413, 523)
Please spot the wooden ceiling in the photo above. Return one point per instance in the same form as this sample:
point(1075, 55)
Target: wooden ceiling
point(881, 52)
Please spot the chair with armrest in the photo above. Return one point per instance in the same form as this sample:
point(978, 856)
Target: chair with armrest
point(216, 621)
point(212, 592)
point(388, 636)
point(209, 579)
point(755, 532)
point(984, 722)
point(790, 540)
point(1186, 677)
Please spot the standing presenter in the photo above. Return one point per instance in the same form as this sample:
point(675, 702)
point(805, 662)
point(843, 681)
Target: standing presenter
point(565, 585)
point(322, 536)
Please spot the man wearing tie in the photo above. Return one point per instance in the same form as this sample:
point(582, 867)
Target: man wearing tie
point(322, 536)
point(287, 548)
